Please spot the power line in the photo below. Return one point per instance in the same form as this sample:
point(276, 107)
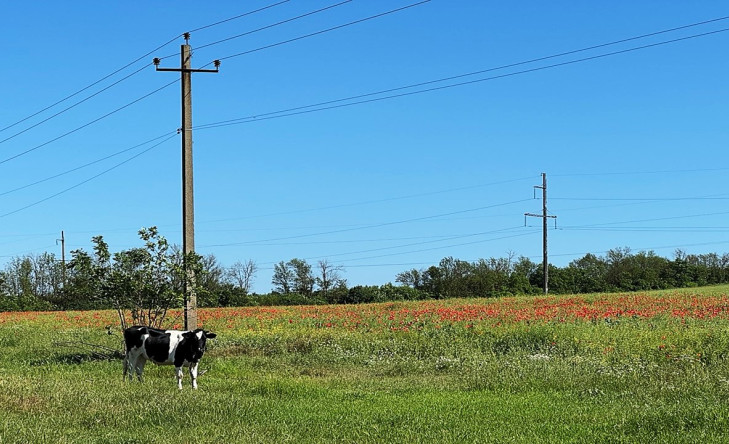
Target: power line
point(686, 216)
point(89, 86)
point(273, 24)
point(641, 199)
point(511, 65)
point(422, 250)
point(367, 202)
point(87, 180)
point(362, 241)
point(355, 226)
point(446, 246)
point(85, 165)
point(87, 124)
point(245, 14)
point(72, 106)
point(406, 264)
point(26, 252)
point(383, 224)
point(412, 244)
point(303, 109)
point(640, 173)
point(118, 71)
point(655, 229)
point(325, 30)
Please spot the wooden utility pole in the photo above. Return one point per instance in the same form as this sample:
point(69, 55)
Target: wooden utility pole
point(63, 256)
point(188, 207)
point(544, 216)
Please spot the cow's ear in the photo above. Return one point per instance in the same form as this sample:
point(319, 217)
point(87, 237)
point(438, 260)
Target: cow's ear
point(210, 335)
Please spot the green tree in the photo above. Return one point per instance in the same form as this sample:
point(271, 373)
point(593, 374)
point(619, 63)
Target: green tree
point(294, 276)
point(329, 278)
point(283, 278)
point(32, 282)
point(141, 284)
point(411, 278)
point(303, 277)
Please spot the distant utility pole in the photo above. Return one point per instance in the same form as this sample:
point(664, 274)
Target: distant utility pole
point(188, 209)
point(63, 255)
point(544, 216)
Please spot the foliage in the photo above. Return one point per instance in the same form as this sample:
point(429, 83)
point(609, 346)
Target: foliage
point(619, 270)
point(141, 284)
point(152, 276)
point(33, 282)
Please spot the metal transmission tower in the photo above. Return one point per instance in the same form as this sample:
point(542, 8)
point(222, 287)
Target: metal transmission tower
point(544, 216)
point(188, 208)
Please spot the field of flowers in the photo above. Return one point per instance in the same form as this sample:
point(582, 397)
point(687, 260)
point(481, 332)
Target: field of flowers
point(636, 367)
point(404, 316)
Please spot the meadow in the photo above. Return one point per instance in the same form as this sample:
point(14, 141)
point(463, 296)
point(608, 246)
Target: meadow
point(628, 367)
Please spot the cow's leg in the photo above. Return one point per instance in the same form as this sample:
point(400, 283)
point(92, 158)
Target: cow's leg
point(140, 362)
point(178, 372)
point(130, 363)
point(193, 374)
point(125, 362)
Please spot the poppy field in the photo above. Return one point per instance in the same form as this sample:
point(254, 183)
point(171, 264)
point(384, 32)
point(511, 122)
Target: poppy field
point(629, 367)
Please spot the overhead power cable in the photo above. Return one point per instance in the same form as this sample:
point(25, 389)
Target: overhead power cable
point(360, 241)
point(89, 179)
point(73, 106)
point(685, 216)
point(22, 153)
point(86, 164)
point(629, 173)
point(645, 199)
point(425, 249)
point(142, 57)
point(412, 244)
point(273, 25)
point(367, 202)
point(383, 224)
point(333, 104)
point(245, 14)
point(653, 229)
point(89, 86)
point(531, 232)
point(392, 11)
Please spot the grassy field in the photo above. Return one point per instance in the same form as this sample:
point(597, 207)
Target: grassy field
point(636, 367)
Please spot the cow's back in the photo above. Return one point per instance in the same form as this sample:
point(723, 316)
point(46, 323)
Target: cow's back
point(153, 343)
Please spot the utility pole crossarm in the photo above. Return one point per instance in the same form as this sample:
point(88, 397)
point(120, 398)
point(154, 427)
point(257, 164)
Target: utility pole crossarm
point(539, 215)
point(157, 68)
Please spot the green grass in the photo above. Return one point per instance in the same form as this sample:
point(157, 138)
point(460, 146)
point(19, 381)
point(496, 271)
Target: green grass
point(627, 380)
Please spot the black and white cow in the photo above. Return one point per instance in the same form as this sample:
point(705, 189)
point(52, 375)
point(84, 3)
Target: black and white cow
point(164, 347)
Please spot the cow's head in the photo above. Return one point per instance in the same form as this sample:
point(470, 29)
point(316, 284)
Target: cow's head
point(197, 340)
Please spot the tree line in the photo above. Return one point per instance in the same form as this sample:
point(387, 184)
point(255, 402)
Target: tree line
point(145, 281)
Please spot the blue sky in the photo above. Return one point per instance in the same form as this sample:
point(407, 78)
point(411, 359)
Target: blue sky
point(633, 145)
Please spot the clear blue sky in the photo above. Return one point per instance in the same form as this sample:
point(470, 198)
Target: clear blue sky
point(634, 145)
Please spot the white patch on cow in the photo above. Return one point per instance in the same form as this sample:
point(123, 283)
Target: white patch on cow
point(178, 372)
point(193, 374)
point(175, 339)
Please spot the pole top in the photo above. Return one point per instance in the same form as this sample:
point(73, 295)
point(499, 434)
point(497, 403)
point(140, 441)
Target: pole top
point(186, 36)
